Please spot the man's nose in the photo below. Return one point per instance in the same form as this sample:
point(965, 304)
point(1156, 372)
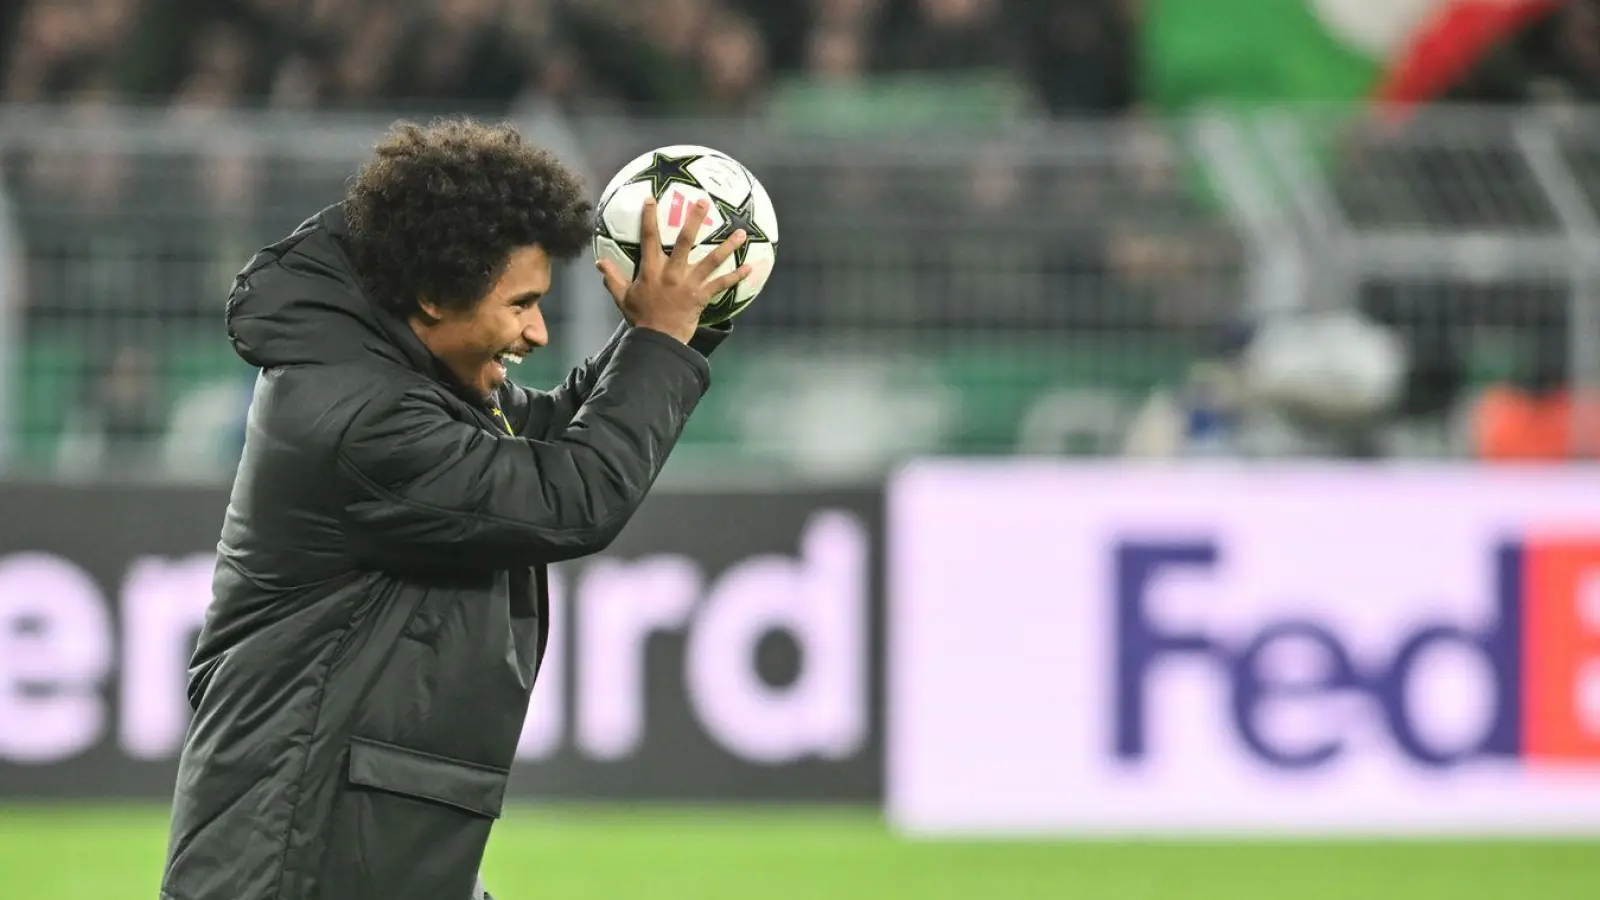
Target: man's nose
point(533, 329)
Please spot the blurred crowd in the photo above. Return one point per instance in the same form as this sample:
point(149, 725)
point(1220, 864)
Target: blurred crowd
point(1117, 242)
point(721, 57)
point(129, 250)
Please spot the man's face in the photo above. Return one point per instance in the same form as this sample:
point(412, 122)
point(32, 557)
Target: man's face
point(475, 343)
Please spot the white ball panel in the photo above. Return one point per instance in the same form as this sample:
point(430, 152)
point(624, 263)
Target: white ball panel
point(621, 212)
point(766, 217)
point(760, 259)
point(607, 249)
point(684, 150)
point(724, 178)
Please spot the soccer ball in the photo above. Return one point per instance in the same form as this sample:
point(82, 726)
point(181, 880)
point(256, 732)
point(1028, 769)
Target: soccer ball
point(678, 176)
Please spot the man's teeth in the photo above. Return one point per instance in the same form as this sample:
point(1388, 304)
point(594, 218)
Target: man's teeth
point(511, 358)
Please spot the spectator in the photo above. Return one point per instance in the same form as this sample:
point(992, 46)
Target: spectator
point(459, 54)
point(734, 65)
point(122, 418)
point(836, 54)
point(64, 47)
point(666, 57)
point(952, 35)
point(1080, 55)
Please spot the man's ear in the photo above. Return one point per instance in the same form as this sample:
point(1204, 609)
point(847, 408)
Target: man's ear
point(428, 311)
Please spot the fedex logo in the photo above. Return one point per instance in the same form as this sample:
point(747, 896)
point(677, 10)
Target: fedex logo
point(1540, 648)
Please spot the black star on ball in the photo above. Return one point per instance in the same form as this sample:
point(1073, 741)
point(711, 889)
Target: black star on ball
point(666, 171)
point(733, 219)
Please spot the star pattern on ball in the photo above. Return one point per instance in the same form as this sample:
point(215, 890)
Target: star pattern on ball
point(665, 171)
point(723, 308)
point(735, 218)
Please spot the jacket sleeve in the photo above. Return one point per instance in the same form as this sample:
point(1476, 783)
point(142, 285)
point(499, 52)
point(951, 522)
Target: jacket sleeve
point(550, 411)
point(431, 490)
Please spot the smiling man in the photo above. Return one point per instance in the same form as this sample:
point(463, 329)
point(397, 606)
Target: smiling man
point(379, 606)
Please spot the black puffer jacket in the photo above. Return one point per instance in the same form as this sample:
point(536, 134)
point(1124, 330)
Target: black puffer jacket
point(379, 606)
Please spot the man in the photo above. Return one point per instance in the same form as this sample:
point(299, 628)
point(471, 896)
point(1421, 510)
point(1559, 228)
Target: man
point(380, 604)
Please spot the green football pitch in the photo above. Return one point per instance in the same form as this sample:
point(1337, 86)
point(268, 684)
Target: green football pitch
point(114, 853)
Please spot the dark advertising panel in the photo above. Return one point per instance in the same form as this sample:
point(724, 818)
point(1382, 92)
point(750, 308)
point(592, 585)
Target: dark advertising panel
point(727, 646)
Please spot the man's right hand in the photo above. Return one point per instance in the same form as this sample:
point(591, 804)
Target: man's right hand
point(668, 293)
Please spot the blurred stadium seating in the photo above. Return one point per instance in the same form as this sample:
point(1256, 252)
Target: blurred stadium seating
point(958, 274)
point(995, 291)
point(941, 285)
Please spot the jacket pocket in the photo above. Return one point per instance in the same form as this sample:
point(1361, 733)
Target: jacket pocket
point(409, 825)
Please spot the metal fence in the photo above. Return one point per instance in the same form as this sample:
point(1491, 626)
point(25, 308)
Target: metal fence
point(1035, 289)
point(1472, 234)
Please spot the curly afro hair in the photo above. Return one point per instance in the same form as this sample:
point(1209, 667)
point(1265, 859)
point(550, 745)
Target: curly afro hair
point(437, 211)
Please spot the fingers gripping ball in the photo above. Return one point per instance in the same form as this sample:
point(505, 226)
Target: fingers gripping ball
point(677, 176)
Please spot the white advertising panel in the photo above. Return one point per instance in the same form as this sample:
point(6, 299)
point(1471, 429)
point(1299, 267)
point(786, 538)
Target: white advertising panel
point(1096, 649)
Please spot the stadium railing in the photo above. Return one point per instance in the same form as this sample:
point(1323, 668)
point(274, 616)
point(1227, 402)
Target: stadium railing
point(1026, 289)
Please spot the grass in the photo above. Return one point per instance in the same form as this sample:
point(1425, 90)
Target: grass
point(68, 852)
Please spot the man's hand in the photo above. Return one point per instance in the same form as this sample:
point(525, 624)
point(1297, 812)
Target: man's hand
point(669, 293)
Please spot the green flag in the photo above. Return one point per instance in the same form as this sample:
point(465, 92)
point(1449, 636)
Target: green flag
point(1255, 52)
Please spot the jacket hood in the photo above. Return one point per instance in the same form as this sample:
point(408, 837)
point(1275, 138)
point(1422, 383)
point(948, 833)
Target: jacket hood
point(300, 301)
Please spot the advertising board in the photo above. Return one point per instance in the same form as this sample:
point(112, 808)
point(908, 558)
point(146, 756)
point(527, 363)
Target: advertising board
point(1105, 649)
point(724, 647)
